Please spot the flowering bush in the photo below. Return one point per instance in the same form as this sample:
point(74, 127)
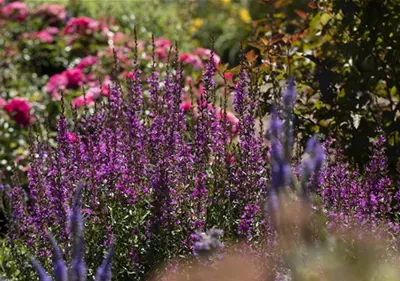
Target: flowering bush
point(361, 197)
point(156, 173)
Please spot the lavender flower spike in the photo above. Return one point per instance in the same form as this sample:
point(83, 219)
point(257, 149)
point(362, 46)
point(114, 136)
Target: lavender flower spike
point(43, 276)
point(312, 162)
point(104, 271)
point(280, 168)
point(275, 128)
point(289, 96)
point(78, 266)
point(59, 267)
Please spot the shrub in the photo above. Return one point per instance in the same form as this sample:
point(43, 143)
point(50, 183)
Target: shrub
point(344, 57)
point(155, 172)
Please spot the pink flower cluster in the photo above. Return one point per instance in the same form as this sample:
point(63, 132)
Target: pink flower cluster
point(15, 11)
point(83, 26)
point(18, 109)
point(75, 77)
point(44, 36)
point(71, 78)
point(52, 13)
point(197, 57)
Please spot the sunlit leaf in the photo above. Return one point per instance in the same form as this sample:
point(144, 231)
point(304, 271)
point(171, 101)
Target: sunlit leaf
point(301, 14)
point(251, 56)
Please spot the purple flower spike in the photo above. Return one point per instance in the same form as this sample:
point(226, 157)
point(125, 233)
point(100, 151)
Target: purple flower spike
point(316, 153)
point(275, 128)
point(289, 96)
point(43, 276)
point(104, 271)
point(78, 266)
point(280, 169)
point(59, 267)
point(312, 162)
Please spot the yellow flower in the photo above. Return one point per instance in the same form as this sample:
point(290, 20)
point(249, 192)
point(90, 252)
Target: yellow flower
point(244, 15)
point(196, 24)
point(226, 2)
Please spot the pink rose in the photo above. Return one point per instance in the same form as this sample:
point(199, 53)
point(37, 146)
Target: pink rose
point(205, 54)
point(2, 101)
point(104, 87)
point(162, 43)
point(230, 118)
point(119, 37)
point(19, 109)
point(191, 59)
point(82, 100)
point(84, 26)
point(56, 83)
point(52, 12)
point(15, 10)
point(74, 76)
point(87, 61)
point(52, 30)
point(44, 36)
point(129, 75)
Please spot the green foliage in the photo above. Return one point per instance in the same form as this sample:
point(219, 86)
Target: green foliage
point(344, 53)
point(12, 256)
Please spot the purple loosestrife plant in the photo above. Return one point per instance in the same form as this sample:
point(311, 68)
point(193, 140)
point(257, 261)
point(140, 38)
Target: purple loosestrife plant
point(251, 163)
point(155, 173)
point(367, 197)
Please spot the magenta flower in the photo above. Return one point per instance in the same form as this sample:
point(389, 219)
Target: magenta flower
point(87, 61)
point(162, 43)
point(57, 82)
point(83, 26)
point(106, 83)
point(82, 100)
point(74, 76)
point(195, 61)
point(228, 76)
point(19, 109)
point(71, 137)
point(51, 12)
point(128, 74)
point(205, 54)
point(186, 105)
point(45, 36)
